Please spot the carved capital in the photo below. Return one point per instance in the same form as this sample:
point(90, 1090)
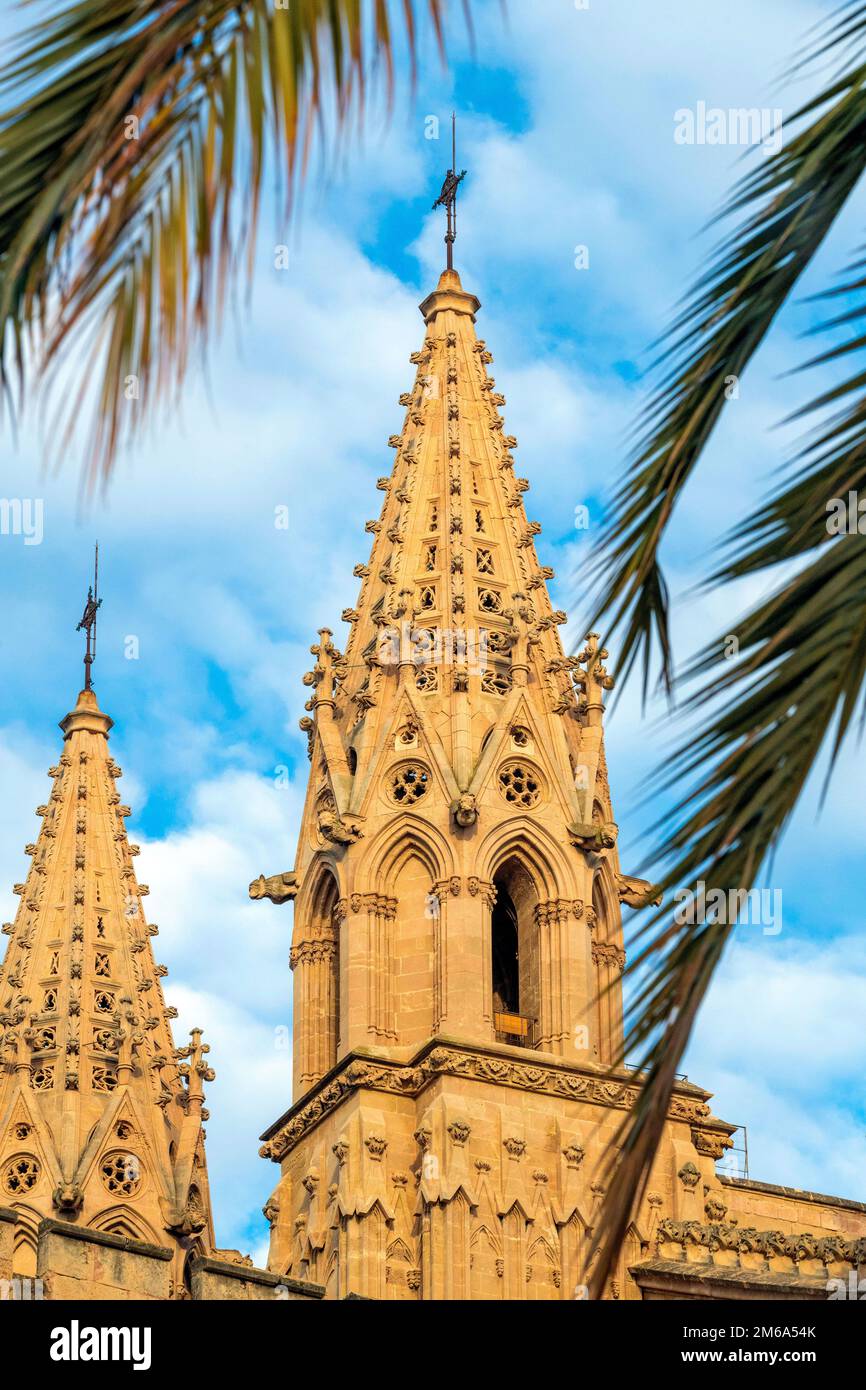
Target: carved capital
point(459, 1132)
point(558, 911)
point(605, 953)
point(711, 1143)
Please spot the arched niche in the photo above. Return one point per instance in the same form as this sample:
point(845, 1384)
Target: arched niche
point(317, 972)
point(24, 1251)
point(415, 945)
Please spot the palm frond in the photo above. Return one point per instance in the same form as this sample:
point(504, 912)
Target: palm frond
point(800, 681)
point(134, 136)
point(799, 193)
point(795, 690)
point(802, 675)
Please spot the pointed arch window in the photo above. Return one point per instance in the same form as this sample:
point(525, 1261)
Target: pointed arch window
point(514, 956)
point(505, 954)
point(24, 1255)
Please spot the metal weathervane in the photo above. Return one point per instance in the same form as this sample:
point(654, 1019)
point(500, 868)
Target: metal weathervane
point(448, 197)
point(88, 623)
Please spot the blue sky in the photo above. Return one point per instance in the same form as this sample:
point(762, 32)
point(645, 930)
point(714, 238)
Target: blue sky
point(567, 129)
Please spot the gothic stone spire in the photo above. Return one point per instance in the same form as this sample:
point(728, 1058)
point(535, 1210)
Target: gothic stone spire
point(449, 726)
point(98, 1122)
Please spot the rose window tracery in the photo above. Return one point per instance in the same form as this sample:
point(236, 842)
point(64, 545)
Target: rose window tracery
point(121, 1173)
point(520, 784)
point(409, 783)
point(21, 1175)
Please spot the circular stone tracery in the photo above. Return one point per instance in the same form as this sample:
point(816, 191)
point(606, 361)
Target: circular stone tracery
point(21, 1175)
point(408, 784)
point(121, 1174)
point(520, 784)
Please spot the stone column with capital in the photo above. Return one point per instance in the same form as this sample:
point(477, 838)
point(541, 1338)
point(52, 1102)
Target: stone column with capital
point(562, 1002)
point(315, 967)
point(463, 975)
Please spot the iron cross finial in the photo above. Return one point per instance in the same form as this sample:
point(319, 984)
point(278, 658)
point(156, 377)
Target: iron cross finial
point(88, 623)
point(448, 197)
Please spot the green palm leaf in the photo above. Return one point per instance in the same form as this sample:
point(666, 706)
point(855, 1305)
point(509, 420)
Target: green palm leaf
point(799, 193)
point(764, 720)
point(134, 136)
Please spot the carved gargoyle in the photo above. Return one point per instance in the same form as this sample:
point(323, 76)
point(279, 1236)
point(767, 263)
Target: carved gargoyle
point(192, 1220)
point(271, 1210)
point(595, 837)
point(465, 810)
point(336, 830)
point(68, 1198)
point(280, 888)
point(637, 892)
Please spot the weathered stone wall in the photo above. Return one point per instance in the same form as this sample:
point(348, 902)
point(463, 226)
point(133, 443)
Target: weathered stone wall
point(468, 1175)
point(7, 1236)
point(76, 1263)
point(216, 1279)
point(792, 1211)
point(758, 1241)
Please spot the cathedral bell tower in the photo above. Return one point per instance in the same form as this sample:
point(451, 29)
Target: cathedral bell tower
point(457, 946)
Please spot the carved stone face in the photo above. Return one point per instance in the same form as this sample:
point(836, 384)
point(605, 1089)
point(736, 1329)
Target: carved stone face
point(466, 810)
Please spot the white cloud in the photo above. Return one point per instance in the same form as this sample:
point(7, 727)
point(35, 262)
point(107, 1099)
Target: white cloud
point(225, 606)
point(778, 1043)
point(228, 959)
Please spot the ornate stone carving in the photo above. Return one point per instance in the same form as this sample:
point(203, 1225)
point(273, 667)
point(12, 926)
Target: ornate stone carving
point(515, 1148)
point(68, 1198)
point(570, 1083)
point(594, 838)
point(689, 1176)
point(605, 953)
point(465, 810)
point(711, 1142)
point(334, 829)
point(573, 1155)
point(637, 892)
point(281, 887)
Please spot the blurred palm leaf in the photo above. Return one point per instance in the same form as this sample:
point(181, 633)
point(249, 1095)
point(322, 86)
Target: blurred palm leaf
point(800, 680)
point(134, 136)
